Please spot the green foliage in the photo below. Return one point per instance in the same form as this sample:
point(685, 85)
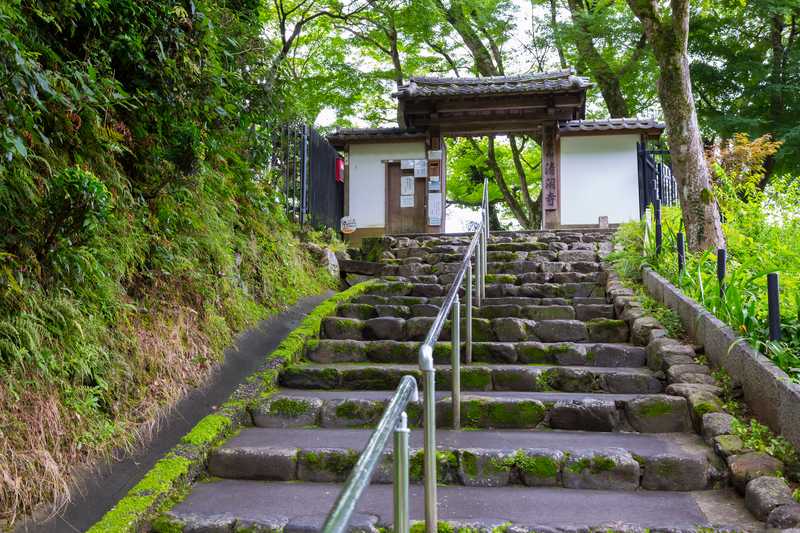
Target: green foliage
point(760, 438)
point(762, 229)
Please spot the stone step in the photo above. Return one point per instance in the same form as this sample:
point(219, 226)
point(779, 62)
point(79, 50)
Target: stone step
point(507, 329)
point(476, 377)
point(292, 507)
point(643, 413)
point(541, 263)
point(393, 288)
point(583, 312)
point(570, 459)
point(376, 299)
point(327, 351)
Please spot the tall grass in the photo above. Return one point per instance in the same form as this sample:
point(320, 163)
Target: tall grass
point(762, 230)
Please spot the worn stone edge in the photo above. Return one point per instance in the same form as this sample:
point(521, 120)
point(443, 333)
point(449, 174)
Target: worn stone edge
point(768, 390)
point(171, 477)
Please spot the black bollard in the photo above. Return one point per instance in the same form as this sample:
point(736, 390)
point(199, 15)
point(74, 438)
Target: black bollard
point(659, 230)
point(721, 260)
point(681, 253)
point(774, 306)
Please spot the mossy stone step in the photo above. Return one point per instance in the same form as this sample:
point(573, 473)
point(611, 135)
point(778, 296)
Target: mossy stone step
point(646, 413)
point(476, 377)
point(364, 311)
point(572, 460)
point(328, 351)
point(225, 504)
point(504, 329)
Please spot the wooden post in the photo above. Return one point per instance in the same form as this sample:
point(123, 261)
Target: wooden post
point(551, 186)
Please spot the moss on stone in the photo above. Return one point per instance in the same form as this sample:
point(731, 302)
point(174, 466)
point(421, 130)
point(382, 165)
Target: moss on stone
point(289, 407)
point(446, 464)
point(596, 465)
point(475, 378)
point(469, 464)
point(522, 414)
point(358, 410)
point(208, 431)
point(539, 466)
point(656, 408)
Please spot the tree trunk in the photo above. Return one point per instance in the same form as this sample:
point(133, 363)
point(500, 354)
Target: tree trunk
point(669, 39)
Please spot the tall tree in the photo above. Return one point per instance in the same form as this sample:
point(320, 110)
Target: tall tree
point(667, 29)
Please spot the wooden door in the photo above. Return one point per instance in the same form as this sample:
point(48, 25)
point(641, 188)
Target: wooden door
point(404, 219)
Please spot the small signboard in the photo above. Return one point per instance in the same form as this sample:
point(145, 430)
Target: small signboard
point(407, 200)
point(435, 155)
point(406, 184)
point(407, 164)
point(348, 225)
point(435, 208)
point(434, 184)
point(420, 168)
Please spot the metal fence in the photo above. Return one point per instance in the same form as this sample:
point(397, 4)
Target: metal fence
point(657, 185)
point(304, 166)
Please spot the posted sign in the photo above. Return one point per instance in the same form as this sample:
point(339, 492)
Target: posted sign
point(348, 225)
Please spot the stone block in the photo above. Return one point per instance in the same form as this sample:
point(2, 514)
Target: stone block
point(493, 352)
point(516, 379)
point(574, 256)
point(325, 465)
point(658, 414)
point(727, 445)
point(512, 329)
point(676, 472)
point(273, 464)
point(610, 469)
point(641, 328)
point(606, 330)
point(716, 424)
point(424, 310)
point(484, 468)
point(784, 517)
point(498, 311)
point(539, 468)
point(629, 383)
point(615, 355)
point(400, 311)
point(585, 415)
point(685, 389)
point(286, 412)
point(751, 465)
point(385, 328)
point(586, 312)
point(351, 412)
point(560, 330)
point(336, 351)
point(548, 312)
point(356, 310)
point(763, 494)
point(427, 290)
point(342, 328)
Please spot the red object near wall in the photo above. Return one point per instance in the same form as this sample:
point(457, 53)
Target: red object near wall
point(340, 170)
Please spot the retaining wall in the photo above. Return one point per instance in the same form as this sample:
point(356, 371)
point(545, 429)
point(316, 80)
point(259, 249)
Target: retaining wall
point(768, 391)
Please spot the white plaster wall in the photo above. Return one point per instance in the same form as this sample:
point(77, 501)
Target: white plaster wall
point(599, 177)
point(367, 178)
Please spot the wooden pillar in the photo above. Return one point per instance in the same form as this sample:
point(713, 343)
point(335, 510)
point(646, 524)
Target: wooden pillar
point(551, 180)
point(435, 169)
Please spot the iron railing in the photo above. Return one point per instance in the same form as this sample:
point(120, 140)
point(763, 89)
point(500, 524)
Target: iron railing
point(395, 416)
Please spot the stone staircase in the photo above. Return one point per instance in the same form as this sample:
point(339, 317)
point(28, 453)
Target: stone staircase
point(565, 426)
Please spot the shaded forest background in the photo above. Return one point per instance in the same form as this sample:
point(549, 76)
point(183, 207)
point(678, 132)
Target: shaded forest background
point(141, 226)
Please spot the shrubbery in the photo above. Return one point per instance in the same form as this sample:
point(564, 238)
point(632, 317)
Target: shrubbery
point(138, 233)
point(762, 229)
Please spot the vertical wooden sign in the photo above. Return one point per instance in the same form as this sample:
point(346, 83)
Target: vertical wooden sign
point(550, 182)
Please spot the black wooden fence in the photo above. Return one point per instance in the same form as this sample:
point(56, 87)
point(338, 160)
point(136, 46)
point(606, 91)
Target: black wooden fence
point(657, 185)
point(304, 164)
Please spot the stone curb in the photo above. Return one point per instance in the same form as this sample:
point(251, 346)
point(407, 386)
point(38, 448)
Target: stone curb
point(768, 391)
point(751, 473)
point(170, 478)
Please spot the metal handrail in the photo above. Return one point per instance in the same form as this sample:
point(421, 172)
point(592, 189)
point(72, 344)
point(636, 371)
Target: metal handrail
point(393, 419)
point(477, 247)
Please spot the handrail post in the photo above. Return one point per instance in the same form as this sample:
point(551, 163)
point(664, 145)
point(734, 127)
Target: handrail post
point(484, 266)
point(429, 445)
point(468, 309)
point(401, 434)
point(455, 340)
point(478, 272)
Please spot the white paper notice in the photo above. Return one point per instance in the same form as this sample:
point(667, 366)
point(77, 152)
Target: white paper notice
point(434, 208)
point(406, 164)
point(435, 155)
point(406, 184)
point(420, 168)
point(407, 200)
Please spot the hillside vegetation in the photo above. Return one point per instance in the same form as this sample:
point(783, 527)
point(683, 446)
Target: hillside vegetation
point(139, 230)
